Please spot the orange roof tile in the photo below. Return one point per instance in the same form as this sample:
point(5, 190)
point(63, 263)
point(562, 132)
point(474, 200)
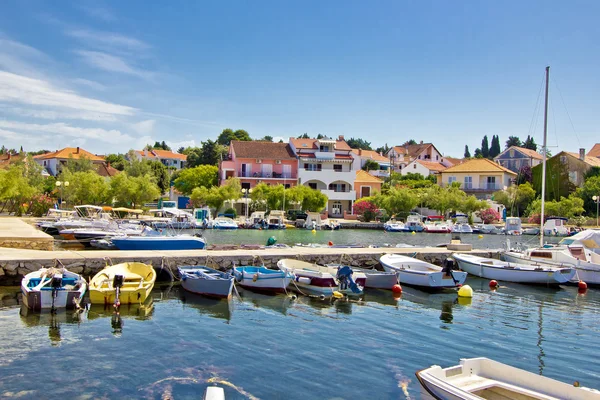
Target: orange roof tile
point(371, 155)
point(432, 165)
point(454, 161)
point(479, 165)
point(593, 161)
point(364, 176)
point(595, 151)
point(300, 144)
point(163, 154)
point(70, 152)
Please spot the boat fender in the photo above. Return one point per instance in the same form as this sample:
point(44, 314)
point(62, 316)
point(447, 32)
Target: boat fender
point(337, 295)
point(303, 279)
point(255, 277)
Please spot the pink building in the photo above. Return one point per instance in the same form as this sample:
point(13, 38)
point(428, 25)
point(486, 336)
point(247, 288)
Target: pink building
point(256, 162)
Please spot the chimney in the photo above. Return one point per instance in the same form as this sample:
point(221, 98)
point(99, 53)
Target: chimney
point(360, 152)
point(341, 137)
point(421, 142)
point(582, 154)
point(146, 152)
point(77, 152)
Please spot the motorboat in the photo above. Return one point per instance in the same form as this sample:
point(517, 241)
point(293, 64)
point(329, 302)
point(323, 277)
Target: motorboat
point(125, 283)
point(256, 220)
point(324, 280)
point(52, 288)
point(488, 229)
point(531, 231)
point(414, 224)
point(462, 228)
point(262, 278)
point(178, 242)
point(412, 271)
point(378, 279)
point(482, 378)
point(513, 226)
point(395, 226)
point(173, 218)
point(224, 223)
point(437, 227)
point(491, 268)
point(330, 225)
point(206, 281)
point(86, 235)
point(556, 226)
point(275, 220)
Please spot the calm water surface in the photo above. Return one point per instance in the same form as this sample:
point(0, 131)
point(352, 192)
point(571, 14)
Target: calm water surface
point(273, 347)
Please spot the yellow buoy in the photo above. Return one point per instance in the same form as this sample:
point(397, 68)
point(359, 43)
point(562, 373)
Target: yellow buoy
point(413, 233)
point(464, 301)
point(337, 295)
point(465, 291)
point(314, 231)
point(480, 236)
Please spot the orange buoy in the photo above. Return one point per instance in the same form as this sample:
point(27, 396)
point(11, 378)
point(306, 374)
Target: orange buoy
point(493, 284)
point(397, 289)
point(582, 285)
point(330, 243)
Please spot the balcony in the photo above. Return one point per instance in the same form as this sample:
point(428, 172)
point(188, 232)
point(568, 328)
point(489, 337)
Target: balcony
point(380, 172)
point(325, 155)
point(333, 195)
point(471, 187)
point(260, 175)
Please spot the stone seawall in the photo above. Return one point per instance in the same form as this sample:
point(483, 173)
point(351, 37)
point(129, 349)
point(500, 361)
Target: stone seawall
point(15, 264)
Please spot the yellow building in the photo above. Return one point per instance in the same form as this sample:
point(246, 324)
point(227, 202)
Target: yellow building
point(478, 176)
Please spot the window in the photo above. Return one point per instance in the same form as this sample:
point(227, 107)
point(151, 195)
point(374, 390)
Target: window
point(287, 185)
point(312, 186)
point(365, 191)
point(324, 148)
point(491, 182)
point(437, 157)
point(468, 182)
point(336, 208)
point(312, 167)
point(563, 159)
point(451, 179)
point(245, 185)
point(44, 163)
point(337, 187)
point(511, 153)
point(573, 176)
point(415, 166)
point(337, 167)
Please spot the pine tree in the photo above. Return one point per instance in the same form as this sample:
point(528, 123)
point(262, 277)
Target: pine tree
point(485, 147)
point(495, 147)
point(478, 153)
point(530, 143)
point(467, 152)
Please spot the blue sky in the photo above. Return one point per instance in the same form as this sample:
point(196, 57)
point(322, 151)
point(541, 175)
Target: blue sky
point(114, 75)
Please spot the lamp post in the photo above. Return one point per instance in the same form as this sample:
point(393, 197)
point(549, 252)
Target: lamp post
point(246, 192)
point(61, 185)
point(597, 200)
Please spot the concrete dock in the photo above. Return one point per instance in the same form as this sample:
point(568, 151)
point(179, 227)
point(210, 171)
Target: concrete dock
point(15, 233)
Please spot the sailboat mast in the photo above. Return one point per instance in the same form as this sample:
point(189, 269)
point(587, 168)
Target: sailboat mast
point(544, 159)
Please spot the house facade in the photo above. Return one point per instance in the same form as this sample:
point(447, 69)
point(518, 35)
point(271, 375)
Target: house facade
point(167, 158)
point(595, 151)
point(515, 158)
point(479, 176)
point(401, 156)
point(424, 168)
point(366, 184)
point(575, 166)
point(54, 162)
point(362, 156)
point(327, 164)
point(260, 162)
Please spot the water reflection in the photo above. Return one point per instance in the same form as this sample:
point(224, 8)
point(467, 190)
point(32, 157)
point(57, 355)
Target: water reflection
point(140, 312)
point(216, 308)
point(277, 302)
point(51, 319)
point(385, 297)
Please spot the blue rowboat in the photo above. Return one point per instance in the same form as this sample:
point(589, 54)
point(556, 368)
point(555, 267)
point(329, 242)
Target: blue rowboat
point(181, 242)
point(206, 281)
point(262, 278)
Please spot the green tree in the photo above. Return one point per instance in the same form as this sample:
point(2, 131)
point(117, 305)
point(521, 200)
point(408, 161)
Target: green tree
point(371, 165)
point(359, 144)
point(133, 191)
point(470, 205)
point(161, 174)
point(516, 199)
point(530, 143)
point(200, 176)
point(117, 161)
point(590, 188)
point(81, 164)
point(567, 207)
point(85, 187)
point(399, 201)
point(267, 138)
point(594, 171)
point(215, 197)
point(15, 189)
point(137, 167)
point(161, 146)
point(228, 135)
point(513, 141)
point(495, 147)
point(309, 199)
point(558, 183)
point(304, 136)
point(467, 152)
point(485, 148)
point(409, 142)
point(383, 149)
point(478, 153)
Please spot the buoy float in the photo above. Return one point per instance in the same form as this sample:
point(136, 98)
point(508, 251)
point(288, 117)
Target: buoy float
point(330, 243)
point(413, 233)
point(314, 231)
point(397, 289)
point(493, 284)
point(480, 236)
point(464, 301)
point(337, 295)
point(582, 285)
point(465, 291)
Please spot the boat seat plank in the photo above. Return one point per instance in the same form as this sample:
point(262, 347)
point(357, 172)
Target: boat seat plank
point(474, 384)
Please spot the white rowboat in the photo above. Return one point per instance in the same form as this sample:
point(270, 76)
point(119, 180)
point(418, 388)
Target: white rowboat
point(421, 273)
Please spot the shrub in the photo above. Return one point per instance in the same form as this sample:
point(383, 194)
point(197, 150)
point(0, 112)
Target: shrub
point(365, 209)
point(40, 204)
point(490, 215)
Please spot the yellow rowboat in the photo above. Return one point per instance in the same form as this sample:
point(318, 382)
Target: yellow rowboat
point(126, 283)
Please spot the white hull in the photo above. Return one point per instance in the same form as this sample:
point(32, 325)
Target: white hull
point(482, 378)
point(263, 281)
point(318, 279)
point(38, 294)
point(380, 280)
point(420, 273)
point(512, 272)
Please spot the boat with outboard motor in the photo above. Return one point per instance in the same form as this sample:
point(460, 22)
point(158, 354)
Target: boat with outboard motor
point(491, 268)
point(224, 223)
point(482, 378)
point(159, 242)
point(322, 279)
point(52, 288)
point(125, 283)
point(206, 281)
point(262, 278)
point(395, 226)
point(412, 271)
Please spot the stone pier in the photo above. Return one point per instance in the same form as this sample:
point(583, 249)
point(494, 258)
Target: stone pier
point(17, 234)
point(14, 263)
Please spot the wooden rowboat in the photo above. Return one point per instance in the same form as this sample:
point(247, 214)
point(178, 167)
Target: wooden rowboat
point(126, 283)
point(52, 288)
point(206, 281)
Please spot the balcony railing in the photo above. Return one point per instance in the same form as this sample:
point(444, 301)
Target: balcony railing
point(474, 188)
point(272, 175)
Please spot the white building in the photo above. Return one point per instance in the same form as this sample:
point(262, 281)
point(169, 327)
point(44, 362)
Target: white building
point(362, 156)
point(54, 161)
point(168, 158)
point(327, 165)
point(401, 156)
point(424, 168)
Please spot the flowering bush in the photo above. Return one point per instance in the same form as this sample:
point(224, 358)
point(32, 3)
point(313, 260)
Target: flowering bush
point(365, 209)
point(490, 215)
point(40, 204)
point(534, 219)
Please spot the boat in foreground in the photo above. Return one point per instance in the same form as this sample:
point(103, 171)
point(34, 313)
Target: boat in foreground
point(491, 268)
point(262, 278)
point(206, 281)
point(323, 279)
point(421, 273)
point(52, 288)
point(126, 283)
point(179, 242)
point(482, 378)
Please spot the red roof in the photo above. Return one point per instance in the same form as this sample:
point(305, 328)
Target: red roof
point(163, 154)
point(69, 152)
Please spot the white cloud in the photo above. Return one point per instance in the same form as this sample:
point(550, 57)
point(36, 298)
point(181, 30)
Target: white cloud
point(91, 84)
point(109, 136)
point(99, 12)
point(20, 58)
point(19, 89)
point(108, 62)
point(183, 143)
point(106, 39)
point(144, 127)
point(55, 115)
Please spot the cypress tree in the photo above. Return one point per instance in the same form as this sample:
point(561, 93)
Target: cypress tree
point(485, 147)
point(467, 152)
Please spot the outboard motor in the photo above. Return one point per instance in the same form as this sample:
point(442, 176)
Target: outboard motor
point(344, 276)
point(55, 284)
point(118, 284)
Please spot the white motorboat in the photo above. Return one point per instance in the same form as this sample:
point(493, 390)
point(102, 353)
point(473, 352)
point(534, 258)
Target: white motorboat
point(421, 273)
point(372, 278)
point(462, 228)
point(487, 229)
point(482, 378)
point(513, 226)
point(52, 288)
point(491, 268)
point(224, 223)
point(395, 226)
point(437, 227)
point(556, 226)
point(323, 279)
